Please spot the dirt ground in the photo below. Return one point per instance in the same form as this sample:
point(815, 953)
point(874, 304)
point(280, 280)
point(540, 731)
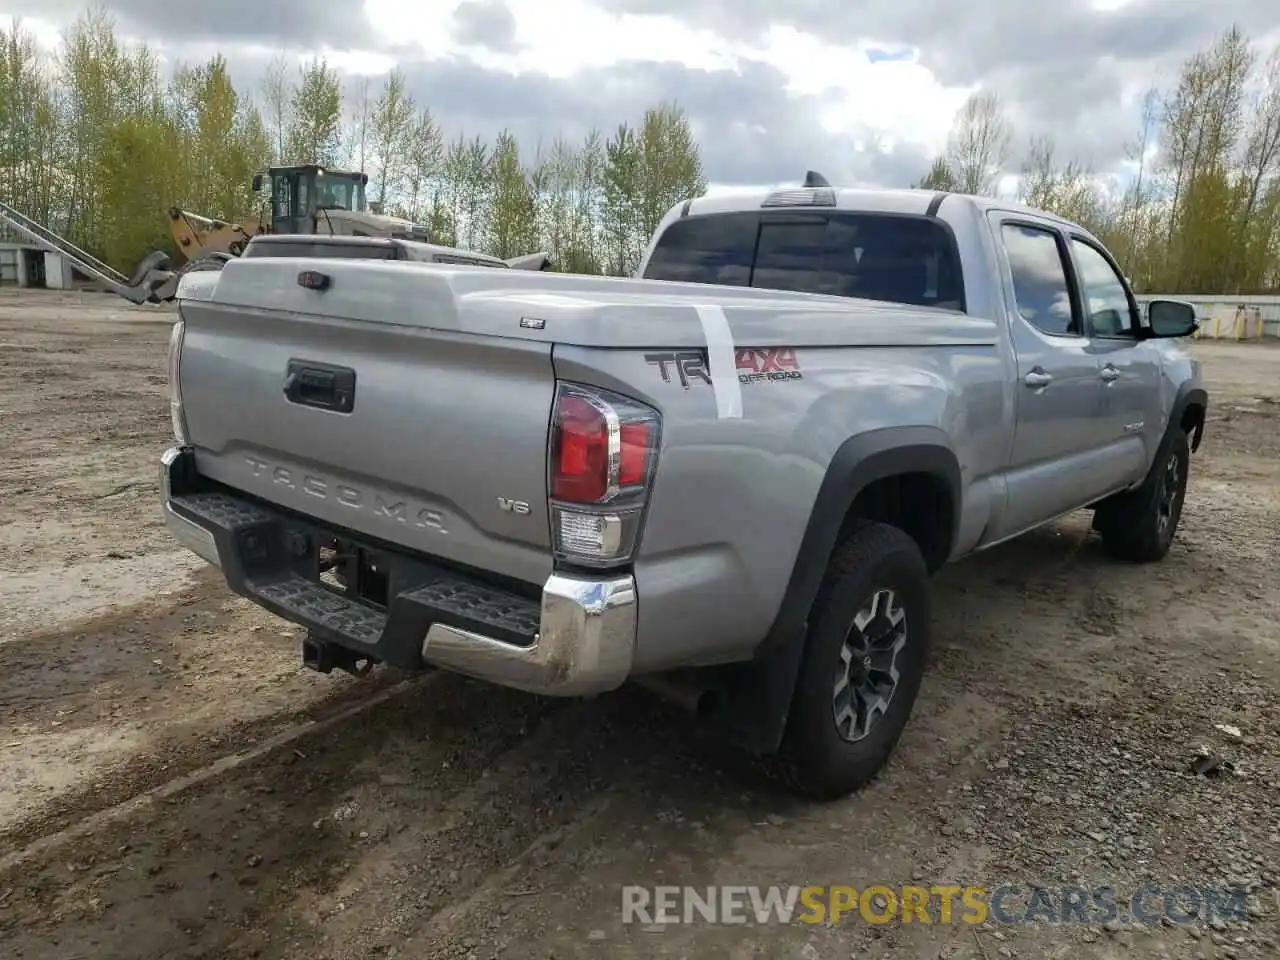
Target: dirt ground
point(174, 784)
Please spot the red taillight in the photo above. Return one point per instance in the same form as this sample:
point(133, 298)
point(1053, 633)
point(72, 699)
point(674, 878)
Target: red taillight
point(602, 445)
point(635, 453)
point(581, 448)
point(603, 454)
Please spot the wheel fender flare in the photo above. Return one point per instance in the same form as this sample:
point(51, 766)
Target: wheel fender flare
point(758, 710)
point(859, 462)
point(1188, 395)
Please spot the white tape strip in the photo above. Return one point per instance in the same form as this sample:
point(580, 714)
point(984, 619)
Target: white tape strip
point(721, 357)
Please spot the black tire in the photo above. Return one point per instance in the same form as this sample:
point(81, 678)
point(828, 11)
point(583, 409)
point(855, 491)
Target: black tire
point(877, 567)
point(168, 289)
point(1140, 526)
point(212, 261)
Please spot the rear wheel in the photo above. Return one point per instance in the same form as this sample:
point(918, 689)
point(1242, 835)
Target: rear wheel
point(1140, 526)
point(863, 664)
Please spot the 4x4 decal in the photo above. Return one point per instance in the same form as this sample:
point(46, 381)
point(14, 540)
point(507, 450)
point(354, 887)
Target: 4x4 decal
point(753, 363)
point(769, 363)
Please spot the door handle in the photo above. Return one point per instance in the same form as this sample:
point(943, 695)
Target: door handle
point(320, 385)
point(1037, 378)
point(1109, 374)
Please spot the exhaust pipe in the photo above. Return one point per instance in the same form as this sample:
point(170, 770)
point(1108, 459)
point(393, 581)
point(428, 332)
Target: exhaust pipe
point(685, 689)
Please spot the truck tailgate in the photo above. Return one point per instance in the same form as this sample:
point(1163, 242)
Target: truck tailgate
point(445, 427)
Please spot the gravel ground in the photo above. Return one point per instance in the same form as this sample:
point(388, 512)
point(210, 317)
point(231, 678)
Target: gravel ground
point(173, 784)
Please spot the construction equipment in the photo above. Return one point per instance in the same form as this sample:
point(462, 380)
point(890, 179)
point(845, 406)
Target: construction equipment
point(151, 272)
point(197, 235)
point(307, 200)
point(302, 200)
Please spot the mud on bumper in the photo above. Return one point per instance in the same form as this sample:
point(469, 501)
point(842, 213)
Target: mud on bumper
point(577, 638)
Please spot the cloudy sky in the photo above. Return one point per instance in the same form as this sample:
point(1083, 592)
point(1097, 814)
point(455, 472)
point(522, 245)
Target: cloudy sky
point(863, 90)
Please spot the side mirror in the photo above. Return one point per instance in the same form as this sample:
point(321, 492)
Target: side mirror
point(1171, 318)
point(257, 182)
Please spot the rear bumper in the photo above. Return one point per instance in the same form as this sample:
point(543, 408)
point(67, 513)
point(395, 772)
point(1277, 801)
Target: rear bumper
point(578, 638)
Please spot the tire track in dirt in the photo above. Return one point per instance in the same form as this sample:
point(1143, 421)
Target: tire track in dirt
point(100, 819)
point(211, 866)
point(130, 700)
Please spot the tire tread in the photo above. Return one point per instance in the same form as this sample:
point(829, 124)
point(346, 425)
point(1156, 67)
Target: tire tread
point(865, 543)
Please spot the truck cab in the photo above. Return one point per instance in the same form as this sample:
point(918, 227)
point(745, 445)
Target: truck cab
point(298, 193)
point(312, 199)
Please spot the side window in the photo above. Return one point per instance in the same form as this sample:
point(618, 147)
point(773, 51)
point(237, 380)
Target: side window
point(1040, 284)
point(1106, 302)
point(281, 198)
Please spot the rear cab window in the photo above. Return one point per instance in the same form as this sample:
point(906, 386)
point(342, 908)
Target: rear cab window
point(898, 258)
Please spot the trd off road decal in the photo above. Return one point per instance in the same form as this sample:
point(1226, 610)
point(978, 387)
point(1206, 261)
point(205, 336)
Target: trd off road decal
point(754, 364)
point(688, 365)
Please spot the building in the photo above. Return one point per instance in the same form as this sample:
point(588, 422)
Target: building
point(27, 265)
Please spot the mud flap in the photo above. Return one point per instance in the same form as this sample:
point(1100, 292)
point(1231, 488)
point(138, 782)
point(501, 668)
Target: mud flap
point(754, 699)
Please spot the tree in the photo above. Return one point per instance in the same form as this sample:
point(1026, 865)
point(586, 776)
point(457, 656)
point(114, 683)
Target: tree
point(358, 133)
point(1069, 190)
point(278, 91)
point(394, 136)
point(583, 253)
point(621, 199)
point(1203, 119)
point(557, 184)
point(315, 135)
point(1256, 232)
point(208, 112)
point(423, 158)
point(28, 126)
point(939, 177)
point(670, 167)
point(979, 145)
point(474, 193)
point(513, 210)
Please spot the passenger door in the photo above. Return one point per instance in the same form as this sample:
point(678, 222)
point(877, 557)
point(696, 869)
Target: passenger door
point(1059, 434)
point(1129, 366)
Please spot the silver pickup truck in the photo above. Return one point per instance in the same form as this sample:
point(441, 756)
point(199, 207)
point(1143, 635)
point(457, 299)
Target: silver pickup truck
point(729, 478)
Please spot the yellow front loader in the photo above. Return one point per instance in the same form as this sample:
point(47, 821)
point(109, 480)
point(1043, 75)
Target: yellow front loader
point(305, 199)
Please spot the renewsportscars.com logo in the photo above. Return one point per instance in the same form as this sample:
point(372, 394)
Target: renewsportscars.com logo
point(935, 904)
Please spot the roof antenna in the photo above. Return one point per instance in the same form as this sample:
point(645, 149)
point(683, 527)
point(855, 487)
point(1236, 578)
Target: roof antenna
point(814, 179)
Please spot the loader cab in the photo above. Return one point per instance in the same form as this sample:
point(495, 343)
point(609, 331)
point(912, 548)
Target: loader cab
point(297, 193)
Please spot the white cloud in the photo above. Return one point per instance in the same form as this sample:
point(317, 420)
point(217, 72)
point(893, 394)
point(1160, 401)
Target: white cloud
point(866, 92)
point(890, 101)
point(48, 36)
point(880, 106)
point(885, 104)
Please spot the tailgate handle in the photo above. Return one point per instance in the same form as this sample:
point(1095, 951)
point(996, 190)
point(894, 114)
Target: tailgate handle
point(310, 383)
